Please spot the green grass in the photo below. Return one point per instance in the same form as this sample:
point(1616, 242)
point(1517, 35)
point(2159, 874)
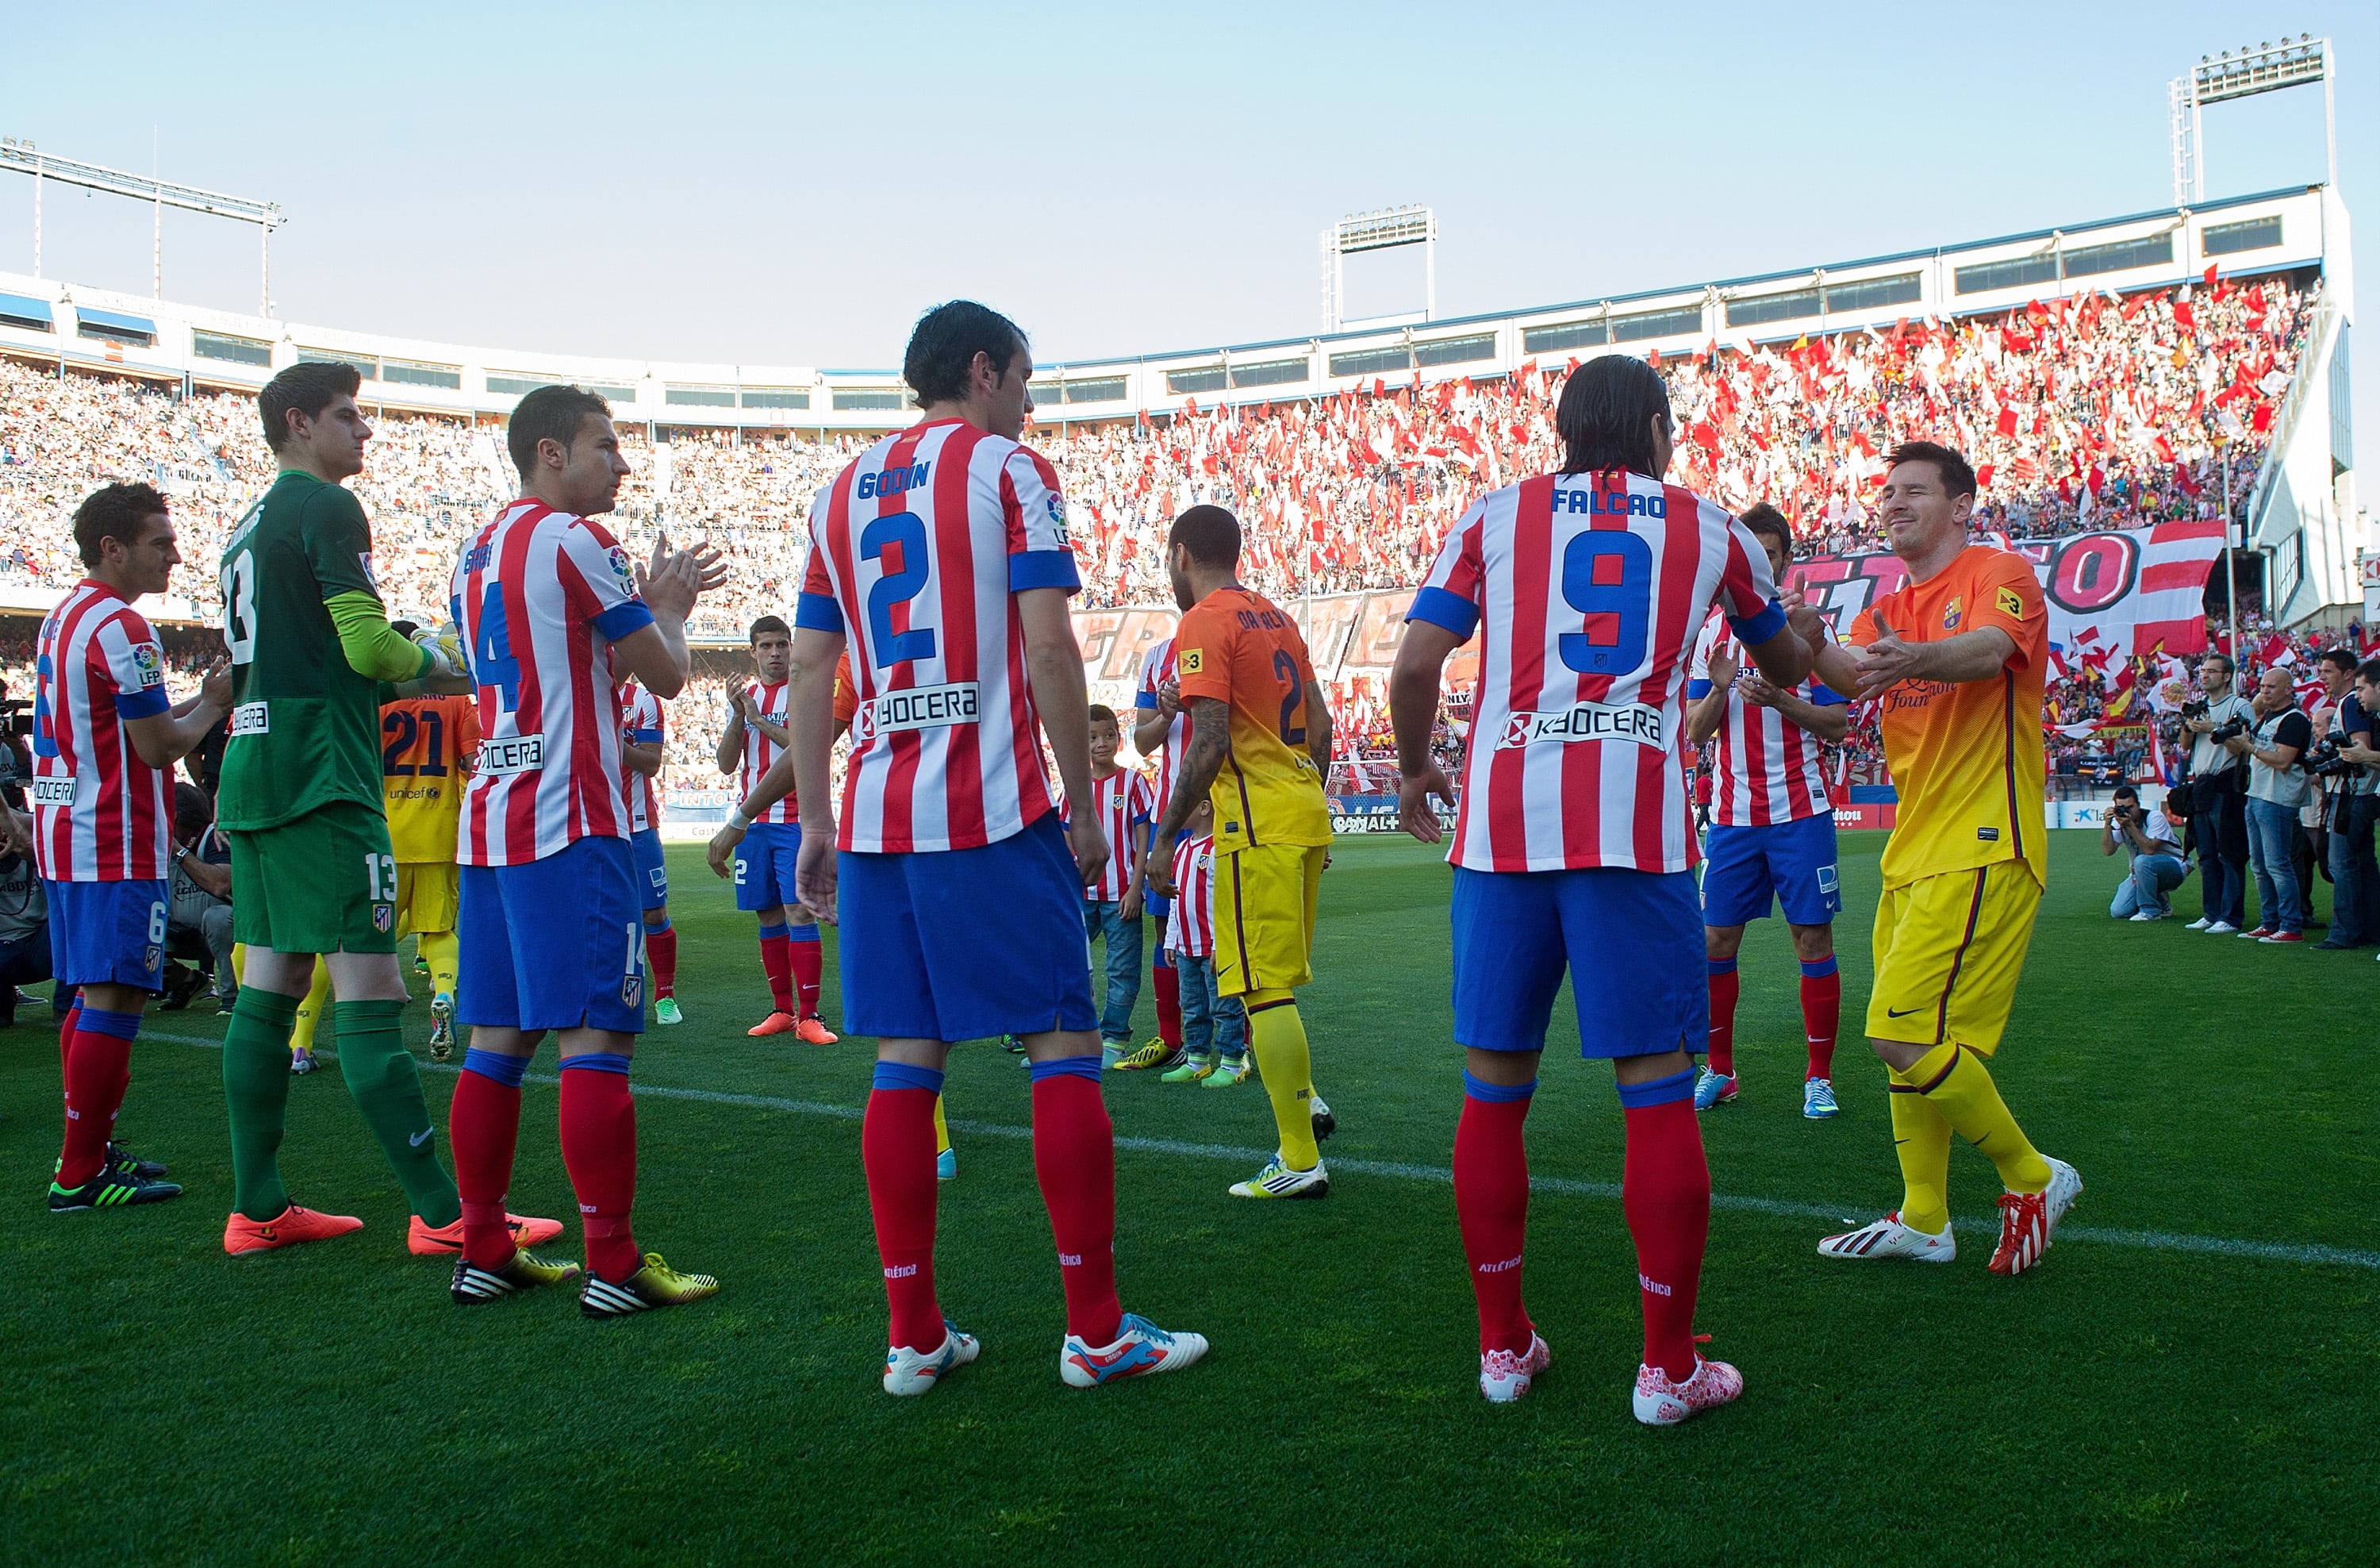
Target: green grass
point(2126, 1401)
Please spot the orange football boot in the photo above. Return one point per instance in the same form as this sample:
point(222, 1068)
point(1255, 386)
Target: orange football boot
point(777, 1023)
point(447, 1240)
point(815, 1031)
point(291, 1226)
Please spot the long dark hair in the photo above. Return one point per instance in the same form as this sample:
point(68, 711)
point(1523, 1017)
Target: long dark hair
point(1606, 416)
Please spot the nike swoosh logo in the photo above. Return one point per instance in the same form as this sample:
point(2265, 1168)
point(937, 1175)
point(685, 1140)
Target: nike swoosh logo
point(1899, 1012)
point(418, 1140)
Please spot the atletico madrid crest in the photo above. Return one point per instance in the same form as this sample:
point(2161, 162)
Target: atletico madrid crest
point(383, 917)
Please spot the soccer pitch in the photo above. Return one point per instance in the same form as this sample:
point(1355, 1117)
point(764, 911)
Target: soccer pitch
point(2190, 1377)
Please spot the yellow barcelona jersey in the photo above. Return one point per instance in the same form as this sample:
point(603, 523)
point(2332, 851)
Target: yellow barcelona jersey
point(426, 744)
point(1238, 648)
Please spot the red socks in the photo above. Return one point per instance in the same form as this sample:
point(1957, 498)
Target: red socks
point(661, 958)
point(1167, 981)
point(598, 1147)
point(1722, 1016)
point(778, 960)
point(1666, 1193)
point(807, 956)
point(98, 1070)
point(484, 1128)
point(1491, 1202)
point(896, 1144)
point(65, 1035)
point(1073, 1156)
point(1822, 1014)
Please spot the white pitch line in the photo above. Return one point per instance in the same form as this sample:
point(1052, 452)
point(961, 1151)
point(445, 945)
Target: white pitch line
point(2152, 1241)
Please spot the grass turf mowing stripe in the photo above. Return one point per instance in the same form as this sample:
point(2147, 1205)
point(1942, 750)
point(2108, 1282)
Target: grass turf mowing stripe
point(2154, 1241)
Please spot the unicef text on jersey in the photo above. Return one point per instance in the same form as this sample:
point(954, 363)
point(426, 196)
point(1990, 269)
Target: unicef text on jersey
point(1588, 721)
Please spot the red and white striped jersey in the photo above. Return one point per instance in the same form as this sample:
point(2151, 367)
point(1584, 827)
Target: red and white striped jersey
point(100, 813)
point(1123, 798)
point(1191, 928)
point(916, 550)
point(642, 724)
point(1158, 668)
point(1587, 591)
point(1767, 769)
point(541, 596)
point(760, 753)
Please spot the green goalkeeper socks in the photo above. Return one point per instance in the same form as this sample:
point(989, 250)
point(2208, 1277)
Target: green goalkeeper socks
point(256, 1094)
point(387, 1088)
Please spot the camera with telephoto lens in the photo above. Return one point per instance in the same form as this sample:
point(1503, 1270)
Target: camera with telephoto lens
point(2194, 708)
point(2324, 762)
point(2223, 732)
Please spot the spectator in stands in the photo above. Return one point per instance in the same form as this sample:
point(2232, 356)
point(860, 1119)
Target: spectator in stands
point(24, 930)
point(2153, 839)
point(2351, 802)
point(2221, 810)
point(2277, 787)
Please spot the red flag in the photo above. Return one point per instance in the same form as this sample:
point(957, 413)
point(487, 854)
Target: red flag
point(2007, 421)
point(2184, 317)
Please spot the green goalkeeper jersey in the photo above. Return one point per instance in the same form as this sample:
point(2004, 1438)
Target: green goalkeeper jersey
point(304, 726)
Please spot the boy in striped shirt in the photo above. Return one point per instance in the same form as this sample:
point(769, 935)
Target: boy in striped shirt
point(1214, 1026)
point(1122, 802)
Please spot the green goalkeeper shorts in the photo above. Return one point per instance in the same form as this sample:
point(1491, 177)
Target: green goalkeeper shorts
point(325, 882)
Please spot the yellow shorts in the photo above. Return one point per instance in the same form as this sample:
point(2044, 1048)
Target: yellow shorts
point(1948, 950)
point(427, 892)
point(1265, 899)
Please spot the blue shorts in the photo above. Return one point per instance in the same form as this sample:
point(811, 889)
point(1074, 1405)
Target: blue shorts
point(554, 944)
point(764, 864)
point(107, 933)
point(966, 943)
point(1796, 860)
point(1632, 941)
point(652, 868)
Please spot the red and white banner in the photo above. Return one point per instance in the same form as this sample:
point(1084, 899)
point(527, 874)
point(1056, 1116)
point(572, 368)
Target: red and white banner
point(2122, 592)
point(2113, 593)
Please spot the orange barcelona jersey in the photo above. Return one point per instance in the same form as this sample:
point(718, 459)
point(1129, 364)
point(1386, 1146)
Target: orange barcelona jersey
point(426, 743)
point(1237, 647)
point(1966, 756)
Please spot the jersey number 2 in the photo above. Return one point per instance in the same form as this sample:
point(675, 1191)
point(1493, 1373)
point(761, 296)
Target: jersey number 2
point(1608, 578)
point(907, 531)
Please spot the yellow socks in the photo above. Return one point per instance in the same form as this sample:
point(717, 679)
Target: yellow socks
point(1955, 1082)
point(942, 1129)
point(1277, 1035)
point(1921, 1138)
point(442, 951)
point(310, 1012)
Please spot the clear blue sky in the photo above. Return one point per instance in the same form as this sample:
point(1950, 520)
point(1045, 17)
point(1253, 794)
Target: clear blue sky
point(791, 185)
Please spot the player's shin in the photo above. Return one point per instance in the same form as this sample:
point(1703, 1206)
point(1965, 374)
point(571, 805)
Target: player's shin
point(896, 1144)
point(598, 1150)
point(1074, 1157)
point(442, 951)
point(660, 959)
point(256, 1095)
point(1665, 1191)
point(1724, 984)
point(1922, 1140)
point(1277, 1035)
point(805, 955)
point(777, 961)
point(1491, 1203)
point(484, 1123)
point(387, 1090)
point(1822, 1012)
point(1166, 981)
point(1955, 1081)
point(98, 1069)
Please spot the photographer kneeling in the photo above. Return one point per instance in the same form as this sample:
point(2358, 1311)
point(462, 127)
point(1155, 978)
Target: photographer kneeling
point(2150, 838)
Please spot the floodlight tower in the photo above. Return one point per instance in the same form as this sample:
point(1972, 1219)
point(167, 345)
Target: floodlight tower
point(24, 158)
point(2243, 73)
point(1388, 229)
